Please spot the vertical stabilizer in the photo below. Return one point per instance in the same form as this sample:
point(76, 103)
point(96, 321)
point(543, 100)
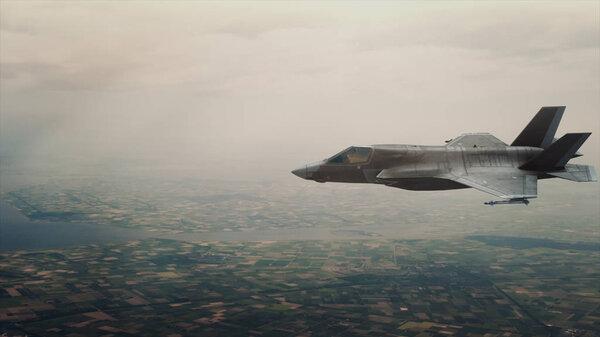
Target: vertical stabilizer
point(541, 129)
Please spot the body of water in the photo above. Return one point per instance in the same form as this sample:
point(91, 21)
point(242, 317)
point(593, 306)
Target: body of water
point(17, 232)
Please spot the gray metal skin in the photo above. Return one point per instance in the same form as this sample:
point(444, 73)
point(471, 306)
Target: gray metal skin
point(417, 168)
point(477, 160)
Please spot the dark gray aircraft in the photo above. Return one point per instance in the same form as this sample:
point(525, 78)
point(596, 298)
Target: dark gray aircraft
point(477, 160)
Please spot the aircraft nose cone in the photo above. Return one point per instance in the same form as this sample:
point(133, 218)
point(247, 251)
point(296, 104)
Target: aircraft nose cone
point(308, 171)
point(300, 172)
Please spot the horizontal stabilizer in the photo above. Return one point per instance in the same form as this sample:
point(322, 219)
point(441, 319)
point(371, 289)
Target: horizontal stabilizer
point(541, 129)
point(579, 173)
point(556, 156)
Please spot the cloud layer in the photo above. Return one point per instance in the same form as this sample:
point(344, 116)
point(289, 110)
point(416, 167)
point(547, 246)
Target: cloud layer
point(232, 86)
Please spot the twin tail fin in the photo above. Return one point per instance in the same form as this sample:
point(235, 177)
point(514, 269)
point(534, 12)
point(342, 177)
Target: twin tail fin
point(541, 129)
point(556, 156)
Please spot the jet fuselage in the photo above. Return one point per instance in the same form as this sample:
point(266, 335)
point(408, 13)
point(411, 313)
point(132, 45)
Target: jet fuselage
point(477, 160)
point(414, 167)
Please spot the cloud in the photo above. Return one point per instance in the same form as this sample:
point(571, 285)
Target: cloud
point(507, 30)
point(107, 46)
point(215, 47)
point(210, 81)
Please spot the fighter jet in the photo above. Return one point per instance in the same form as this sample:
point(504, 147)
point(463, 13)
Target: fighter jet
point(477, 160)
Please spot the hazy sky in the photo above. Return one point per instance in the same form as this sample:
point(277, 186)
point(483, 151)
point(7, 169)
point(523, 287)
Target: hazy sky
point(232, 88)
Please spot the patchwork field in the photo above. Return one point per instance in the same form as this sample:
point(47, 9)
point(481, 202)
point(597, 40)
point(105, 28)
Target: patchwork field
point(477, 286)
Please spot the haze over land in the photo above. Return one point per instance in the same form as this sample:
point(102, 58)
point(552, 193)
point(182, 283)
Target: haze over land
point(152, 96)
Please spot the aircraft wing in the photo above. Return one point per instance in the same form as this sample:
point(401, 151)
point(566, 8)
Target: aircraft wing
point(503, 182)
point(476, 140)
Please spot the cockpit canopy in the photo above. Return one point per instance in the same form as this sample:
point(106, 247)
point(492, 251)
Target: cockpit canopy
point(352, 155)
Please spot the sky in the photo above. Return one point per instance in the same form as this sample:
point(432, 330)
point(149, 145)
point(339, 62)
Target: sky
point(240, 89)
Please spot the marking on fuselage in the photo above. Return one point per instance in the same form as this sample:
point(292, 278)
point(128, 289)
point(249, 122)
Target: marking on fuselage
point(464, 160)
